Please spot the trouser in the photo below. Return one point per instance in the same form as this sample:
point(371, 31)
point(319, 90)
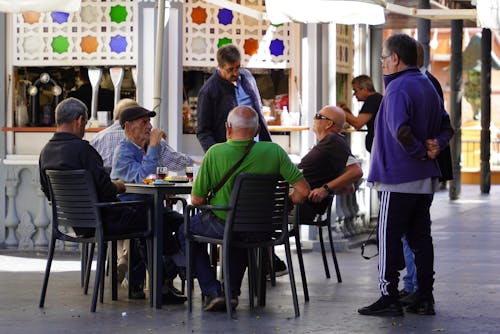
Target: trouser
point(410, 279)
point(208, 224)
point(402, 213)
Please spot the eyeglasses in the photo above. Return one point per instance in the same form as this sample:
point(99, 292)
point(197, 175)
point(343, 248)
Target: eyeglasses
point(382, 58)
point(322, 117)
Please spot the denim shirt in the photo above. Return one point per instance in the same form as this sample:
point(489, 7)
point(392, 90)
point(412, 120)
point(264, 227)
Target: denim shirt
point(132, 164)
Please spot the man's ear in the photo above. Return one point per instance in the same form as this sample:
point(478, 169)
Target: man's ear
point(257, 131)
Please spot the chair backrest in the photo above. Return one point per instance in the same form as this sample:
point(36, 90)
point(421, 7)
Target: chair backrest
point(73, 194)
point(259, 208)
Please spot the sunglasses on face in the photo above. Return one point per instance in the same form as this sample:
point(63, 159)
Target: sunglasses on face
point(321, 117)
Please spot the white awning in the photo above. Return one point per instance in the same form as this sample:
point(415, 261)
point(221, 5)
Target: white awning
point(18, 6)
point(488, 14)
point(335, 11)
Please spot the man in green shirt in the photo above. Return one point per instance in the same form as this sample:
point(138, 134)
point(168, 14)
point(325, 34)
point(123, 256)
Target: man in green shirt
point(264, 158)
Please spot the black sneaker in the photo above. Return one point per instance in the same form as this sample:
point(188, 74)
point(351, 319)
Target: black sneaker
point(385, 306)
point(215, 302)
point(422, 307)
point(171, 298)
point(280, 268)
point(408, 299)
point(137, 294)
point(234, 302)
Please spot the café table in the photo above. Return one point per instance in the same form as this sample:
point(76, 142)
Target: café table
point(158, 191)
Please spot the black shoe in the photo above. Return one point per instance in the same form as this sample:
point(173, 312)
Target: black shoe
point(408, 299)
point(171, 298)
point(234, 302)
point(422, 307)
point(215, 302)
point(385, 306)
point(279, 267)
point(175, 290)
point(403, 293)
point(137, 294)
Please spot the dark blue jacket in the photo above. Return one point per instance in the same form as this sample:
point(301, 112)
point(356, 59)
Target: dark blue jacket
point(216, 99)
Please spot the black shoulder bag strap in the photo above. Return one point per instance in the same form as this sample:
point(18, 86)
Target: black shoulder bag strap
point(230, 172)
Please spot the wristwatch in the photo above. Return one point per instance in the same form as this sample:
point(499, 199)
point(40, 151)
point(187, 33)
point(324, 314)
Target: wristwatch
point(327, 188)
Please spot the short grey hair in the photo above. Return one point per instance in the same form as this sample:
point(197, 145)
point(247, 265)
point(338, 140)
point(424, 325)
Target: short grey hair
point(228, 54)
point(236, 120)
point(69, 110)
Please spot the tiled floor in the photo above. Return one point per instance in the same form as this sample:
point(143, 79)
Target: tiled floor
point(467, 290)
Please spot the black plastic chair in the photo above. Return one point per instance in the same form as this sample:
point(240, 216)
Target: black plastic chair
point(305, 216)
point(75, 204)
point(257, 219)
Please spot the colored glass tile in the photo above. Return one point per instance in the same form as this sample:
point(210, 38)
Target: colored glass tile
point(251, 46)
point(60, 44)
point(89, 14)
point(32, 44)
point(223, 41)
point(59, 17)
point(277, 47)
point(118, 14)
point(199, 15)
point(31, 17)
point(118, 44)
point(89, 44)
point(225, 16)
point(199, 45)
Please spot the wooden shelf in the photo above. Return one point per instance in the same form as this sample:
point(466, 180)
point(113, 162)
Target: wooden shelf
point(42, 129)
point(281, 128)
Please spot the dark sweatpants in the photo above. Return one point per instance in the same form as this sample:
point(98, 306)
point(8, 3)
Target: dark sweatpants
point(402, 213)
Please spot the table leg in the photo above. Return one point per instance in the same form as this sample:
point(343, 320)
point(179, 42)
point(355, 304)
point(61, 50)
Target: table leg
point(158, 251)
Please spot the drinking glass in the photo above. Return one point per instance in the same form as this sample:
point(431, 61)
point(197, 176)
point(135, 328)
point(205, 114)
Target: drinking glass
point(161, 173)
point(189, 172)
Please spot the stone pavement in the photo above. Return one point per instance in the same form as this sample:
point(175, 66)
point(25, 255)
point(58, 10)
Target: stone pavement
point(467, 290)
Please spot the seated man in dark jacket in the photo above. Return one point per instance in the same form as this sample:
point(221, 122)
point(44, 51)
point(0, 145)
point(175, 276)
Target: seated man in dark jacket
point(66, 150)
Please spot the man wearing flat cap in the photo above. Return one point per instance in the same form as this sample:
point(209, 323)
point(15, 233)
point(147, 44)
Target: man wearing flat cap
point(134, 159)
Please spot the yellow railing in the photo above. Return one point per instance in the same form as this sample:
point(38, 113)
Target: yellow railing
point(471, 153)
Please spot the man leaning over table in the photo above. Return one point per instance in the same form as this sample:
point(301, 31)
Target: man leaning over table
point(106, 141)
point(241, 127)
point(134, 159)
point(66, 150)
point(228, 87)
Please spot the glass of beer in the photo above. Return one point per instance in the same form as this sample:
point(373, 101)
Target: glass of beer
point(161, 173)
point(189, 173)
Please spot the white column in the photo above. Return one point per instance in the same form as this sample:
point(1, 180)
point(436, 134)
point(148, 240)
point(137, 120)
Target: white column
point(11, 220)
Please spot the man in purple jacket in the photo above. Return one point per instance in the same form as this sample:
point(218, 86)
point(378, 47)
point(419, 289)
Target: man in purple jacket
point(410, 130)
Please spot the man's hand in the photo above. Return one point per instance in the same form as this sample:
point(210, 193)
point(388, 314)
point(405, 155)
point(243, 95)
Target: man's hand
point(156, 136)
point(120, 186)
point(317, 195)
point(433, 149)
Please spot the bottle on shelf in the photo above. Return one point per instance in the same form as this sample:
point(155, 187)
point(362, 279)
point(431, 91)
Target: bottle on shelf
point(285, 117)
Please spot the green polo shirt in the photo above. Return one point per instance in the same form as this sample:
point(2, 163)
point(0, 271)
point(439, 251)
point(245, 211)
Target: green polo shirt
point(264, 158)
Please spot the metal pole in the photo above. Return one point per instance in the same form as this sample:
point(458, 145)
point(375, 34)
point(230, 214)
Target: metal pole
point(485, 173)
point(424, 31)
point(456, 106)
point(375, 53)
point(160, 26)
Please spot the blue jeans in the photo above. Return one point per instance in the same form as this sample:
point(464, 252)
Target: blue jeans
point(207, 224)
point(410, 279)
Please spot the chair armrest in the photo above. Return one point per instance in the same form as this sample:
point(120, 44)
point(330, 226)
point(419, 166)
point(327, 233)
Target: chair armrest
point(209, 207)
point(119, 203)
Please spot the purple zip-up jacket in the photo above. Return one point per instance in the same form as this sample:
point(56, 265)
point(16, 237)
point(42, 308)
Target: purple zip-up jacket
point(411, 112)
